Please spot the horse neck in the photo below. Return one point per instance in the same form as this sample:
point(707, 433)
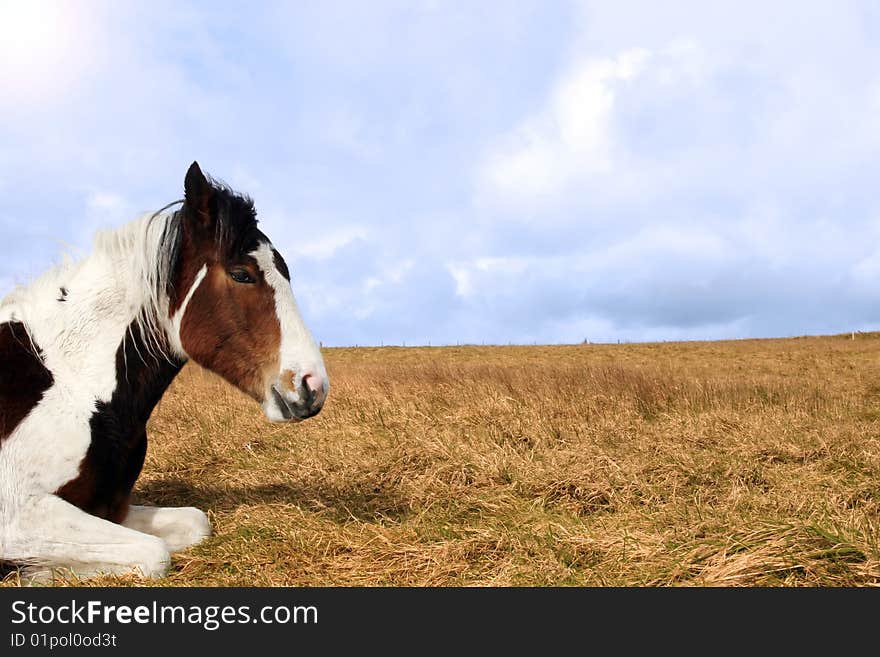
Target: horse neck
point(99, 327)
point(143, 374)
point(145, 360)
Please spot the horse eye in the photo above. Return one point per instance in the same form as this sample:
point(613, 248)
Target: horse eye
point(241, 276)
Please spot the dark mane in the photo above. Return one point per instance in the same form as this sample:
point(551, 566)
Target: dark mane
point(235, 232)
point(236, 219)
point(240, 205)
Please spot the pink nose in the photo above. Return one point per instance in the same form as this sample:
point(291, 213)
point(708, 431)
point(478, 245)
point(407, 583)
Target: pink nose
point(317, 389)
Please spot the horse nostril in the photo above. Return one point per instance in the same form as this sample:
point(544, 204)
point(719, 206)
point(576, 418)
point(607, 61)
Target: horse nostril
point(314, 389)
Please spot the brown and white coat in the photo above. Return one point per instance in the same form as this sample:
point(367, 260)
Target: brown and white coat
point(88, 349)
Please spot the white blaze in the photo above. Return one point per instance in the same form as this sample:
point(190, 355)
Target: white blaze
point(299, 352)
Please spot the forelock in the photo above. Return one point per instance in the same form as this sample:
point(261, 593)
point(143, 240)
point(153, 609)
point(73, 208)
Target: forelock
point(236, 220)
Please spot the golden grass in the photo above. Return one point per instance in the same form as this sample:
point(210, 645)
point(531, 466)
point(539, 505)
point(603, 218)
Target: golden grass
point(719, 463)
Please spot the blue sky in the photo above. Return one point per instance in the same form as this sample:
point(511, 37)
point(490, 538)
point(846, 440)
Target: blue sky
point(474, 172)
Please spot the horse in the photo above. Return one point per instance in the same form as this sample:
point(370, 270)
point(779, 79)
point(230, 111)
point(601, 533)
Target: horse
point(90, 346)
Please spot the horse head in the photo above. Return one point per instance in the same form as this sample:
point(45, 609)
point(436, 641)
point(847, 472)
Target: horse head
point(232, 308)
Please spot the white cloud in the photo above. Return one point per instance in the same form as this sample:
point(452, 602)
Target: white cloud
point(105, 202)
point(472, 273)
point(391, 274)
point(323, 247)
point(569, 138)
point(464, 286)
point(397, 271)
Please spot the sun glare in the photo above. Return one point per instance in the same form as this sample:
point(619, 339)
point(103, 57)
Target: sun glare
point(37, 47)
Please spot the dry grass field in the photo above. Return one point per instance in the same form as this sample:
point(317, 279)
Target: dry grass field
point(719, 463)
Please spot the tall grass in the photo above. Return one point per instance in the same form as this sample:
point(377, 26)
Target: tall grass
point(735, 463)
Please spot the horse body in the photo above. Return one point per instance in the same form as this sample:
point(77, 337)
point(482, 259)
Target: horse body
point(88, 349)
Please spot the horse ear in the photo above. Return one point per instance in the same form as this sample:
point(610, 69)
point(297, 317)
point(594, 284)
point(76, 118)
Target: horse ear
point(198, 192)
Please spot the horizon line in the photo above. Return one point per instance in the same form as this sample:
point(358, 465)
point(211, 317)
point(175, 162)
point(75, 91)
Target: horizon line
point(848, 335)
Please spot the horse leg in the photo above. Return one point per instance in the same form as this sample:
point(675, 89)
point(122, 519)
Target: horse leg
point(179, 527)
point(54, 534)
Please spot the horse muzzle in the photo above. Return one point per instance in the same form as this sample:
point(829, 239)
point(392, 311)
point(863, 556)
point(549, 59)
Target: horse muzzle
point(293, 398)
